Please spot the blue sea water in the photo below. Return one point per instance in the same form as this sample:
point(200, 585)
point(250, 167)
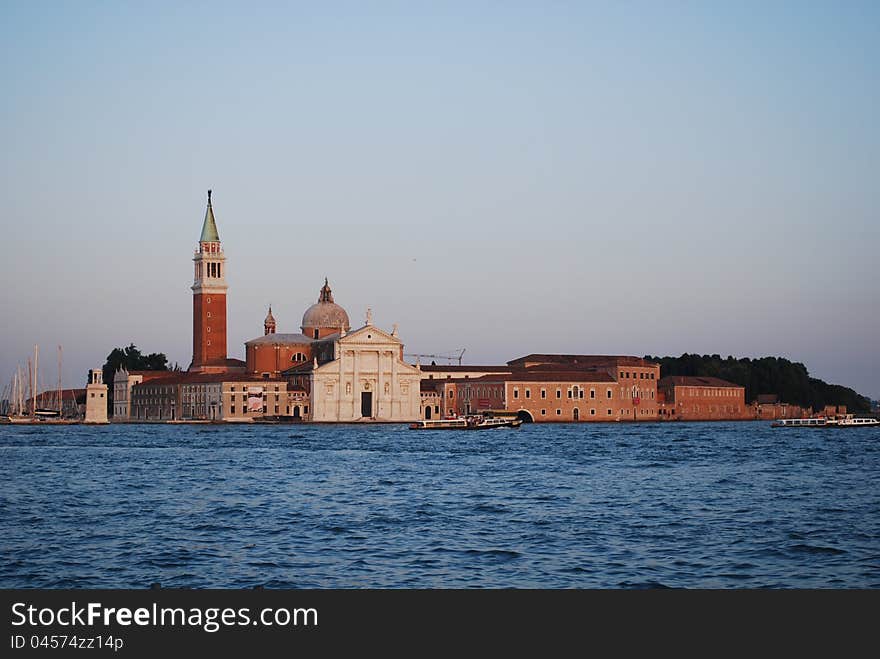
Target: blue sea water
point(694, 505)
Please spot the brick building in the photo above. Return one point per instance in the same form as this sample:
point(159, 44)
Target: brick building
point(157, 399)
point(551, 388)
point(688, 398)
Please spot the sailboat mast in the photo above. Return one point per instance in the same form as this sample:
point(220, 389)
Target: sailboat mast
point(60, 403)
point(30, 374)
point(13, 398)
point(36, 370)
point(20, 393)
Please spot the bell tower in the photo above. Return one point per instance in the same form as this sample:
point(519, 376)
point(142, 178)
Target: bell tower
point(209, 300)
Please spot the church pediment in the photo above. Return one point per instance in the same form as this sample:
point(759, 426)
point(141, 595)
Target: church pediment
point(369, 335)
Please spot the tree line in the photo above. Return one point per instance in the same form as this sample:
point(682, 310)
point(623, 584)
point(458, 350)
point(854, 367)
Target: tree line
point(766, 375)
point(132, 359)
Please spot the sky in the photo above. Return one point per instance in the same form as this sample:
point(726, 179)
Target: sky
point(504, 177)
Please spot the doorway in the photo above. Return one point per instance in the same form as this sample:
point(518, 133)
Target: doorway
point(428, 412)
point(367, 404)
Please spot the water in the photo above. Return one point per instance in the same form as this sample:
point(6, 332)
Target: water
point(722, 505)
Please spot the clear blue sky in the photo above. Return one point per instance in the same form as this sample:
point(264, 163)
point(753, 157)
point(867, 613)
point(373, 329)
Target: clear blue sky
point(505, 177)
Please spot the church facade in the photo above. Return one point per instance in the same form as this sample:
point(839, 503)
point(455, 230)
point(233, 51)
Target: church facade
point(360, 376)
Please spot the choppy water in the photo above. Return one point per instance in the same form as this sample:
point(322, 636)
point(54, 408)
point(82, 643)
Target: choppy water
point(554, 506)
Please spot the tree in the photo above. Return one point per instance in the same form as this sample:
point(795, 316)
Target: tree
point(767, 375)
point(131, 359)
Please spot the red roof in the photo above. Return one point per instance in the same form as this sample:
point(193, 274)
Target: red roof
point(66, 394)
point(581, 360)
point(182, 377)
point(150, 375)
point(430, 368)
point(530, 375)
point(695, 381)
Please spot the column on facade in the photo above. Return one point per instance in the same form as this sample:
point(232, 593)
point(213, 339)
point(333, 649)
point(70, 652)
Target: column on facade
point(341, 383)
point(395, 388)
point(355, 388)
point(380, 382)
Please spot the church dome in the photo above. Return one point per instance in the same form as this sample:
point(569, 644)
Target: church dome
point(325, 315)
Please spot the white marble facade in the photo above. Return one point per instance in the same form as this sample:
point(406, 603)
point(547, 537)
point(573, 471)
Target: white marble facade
point(366, 381)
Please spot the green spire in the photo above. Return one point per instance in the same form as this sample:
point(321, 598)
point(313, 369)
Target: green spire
point(209, 228)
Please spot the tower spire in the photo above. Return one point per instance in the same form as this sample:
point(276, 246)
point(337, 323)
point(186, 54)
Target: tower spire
point(209, 227)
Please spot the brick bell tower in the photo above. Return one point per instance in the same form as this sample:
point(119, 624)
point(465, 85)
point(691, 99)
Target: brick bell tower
point(209, 300)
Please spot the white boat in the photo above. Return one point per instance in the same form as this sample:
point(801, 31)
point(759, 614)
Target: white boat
point(851, 421)
point(476, 422)
point(814, 422)
point(840, 421)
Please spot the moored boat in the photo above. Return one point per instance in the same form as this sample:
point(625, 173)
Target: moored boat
point(476, 422)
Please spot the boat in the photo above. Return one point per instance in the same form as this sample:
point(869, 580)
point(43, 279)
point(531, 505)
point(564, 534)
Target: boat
point(840, 421)
point(812, 422)
point(851, 421)
point(275, 419)
point(476, 422)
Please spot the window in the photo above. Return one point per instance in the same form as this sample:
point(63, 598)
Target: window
point(528, 393)
point(316, 334)
point(608, 393)
point(558, 412)
point(569, 393)
point(543, 412)
point(452, 393)
point(559, 393)
point(592, 411)
point(543, 393)
point(232, 409)
point(592, 393)
point(609, 411)
point(515, 392)
point(580, 393)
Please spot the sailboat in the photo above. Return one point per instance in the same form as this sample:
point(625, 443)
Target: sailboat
point(54, 408)
point(18, 412)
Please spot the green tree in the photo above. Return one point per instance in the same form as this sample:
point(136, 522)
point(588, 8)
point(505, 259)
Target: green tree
point(131, 359)
point(766, 375)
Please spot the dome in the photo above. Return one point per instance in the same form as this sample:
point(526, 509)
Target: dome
point(325, 314)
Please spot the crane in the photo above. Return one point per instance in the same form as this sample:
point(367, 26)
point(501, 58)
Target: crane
point(449, 356)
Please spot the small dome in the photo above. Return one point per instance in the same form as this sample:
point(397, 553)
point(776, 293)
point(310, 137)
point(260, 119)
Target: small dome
point(325, 314)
